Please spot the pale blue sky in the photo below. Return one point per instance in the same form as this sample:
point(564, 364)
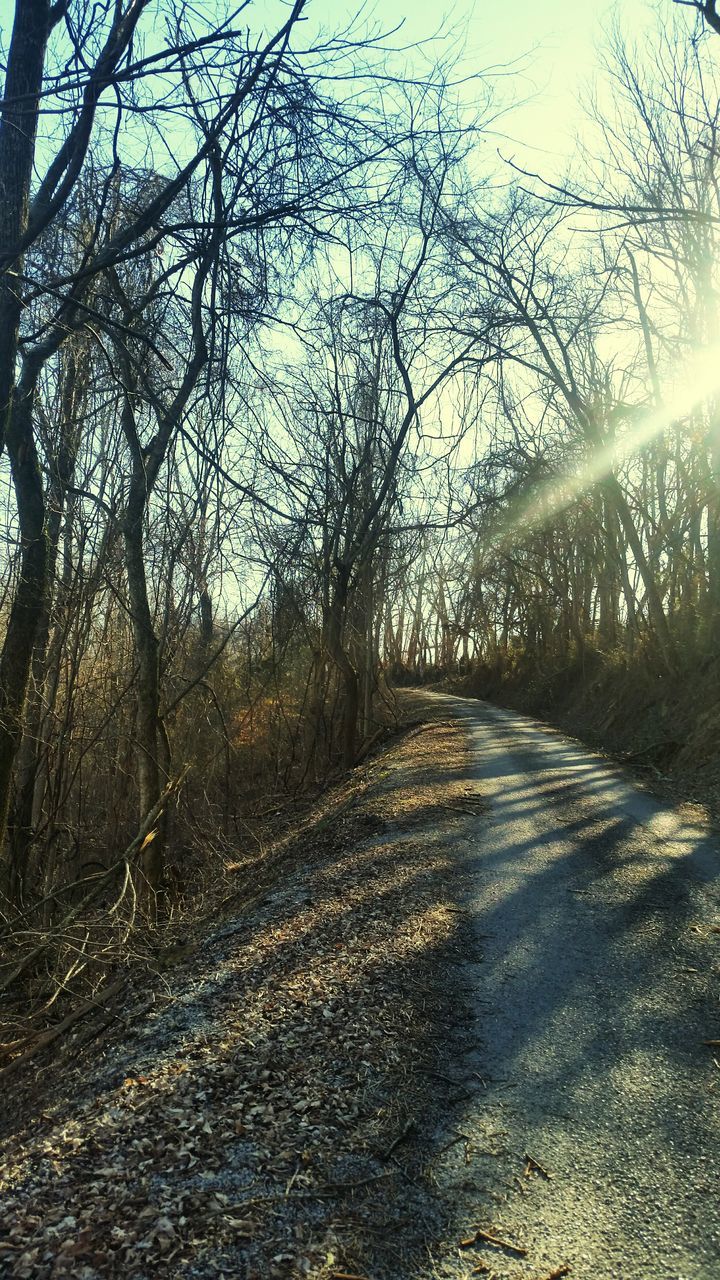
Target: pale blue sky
point(553, 44)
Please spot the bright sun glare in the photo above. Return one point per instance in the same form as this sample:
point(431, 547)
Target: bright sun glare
point(697, 381)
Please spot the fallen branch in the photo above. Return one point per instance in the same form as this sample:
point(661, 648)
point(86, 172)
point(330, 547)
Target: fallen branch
point(52, 1033)
point(371, 742)
point(146, 827)
point(486, 1237)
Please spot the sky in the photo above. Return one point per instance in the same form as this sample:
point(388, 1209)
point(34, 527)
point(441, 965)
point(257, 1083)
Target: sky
point(545, 50)
point(549, 49)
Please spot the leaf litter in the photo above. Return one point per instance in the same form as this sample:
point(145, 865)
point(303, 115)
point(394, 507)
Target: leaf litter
point(271, 1112)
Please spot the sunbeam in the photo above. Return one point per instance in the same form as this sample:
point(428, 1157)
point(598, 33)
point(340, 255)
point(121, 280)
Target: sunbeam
point(692, 386)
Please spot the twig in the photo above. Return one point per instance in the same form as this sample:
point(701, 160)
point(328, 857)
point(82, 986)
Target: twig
point(400, 1138)
point(330, 1189)
point(535, 1164)
point(401, 1169)
point(448, 1145)
point(643, 751)
point(62, 984)
point(558, 1273)
point(486, 1237)
point(438, 1075)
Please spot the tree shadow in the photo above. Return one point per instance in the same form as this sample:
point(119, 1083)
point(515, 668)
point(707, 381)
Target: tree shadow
point(596, 976)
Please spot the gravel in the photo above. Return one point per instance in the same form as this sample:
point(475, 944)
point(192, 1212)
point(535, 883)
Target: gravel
point(597, 912)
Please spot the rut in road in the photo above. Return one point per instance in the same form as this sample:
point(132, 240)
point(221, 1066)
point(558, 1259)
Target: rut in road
point(594, 904)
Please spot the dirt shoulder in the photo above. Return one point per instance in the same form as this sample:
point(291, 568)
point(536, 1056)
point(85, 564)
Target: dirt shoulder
point(268, 1105)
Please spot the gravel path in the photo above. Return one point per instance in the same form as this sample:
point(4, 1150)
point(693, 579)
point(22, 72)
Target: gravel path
point(597, 909)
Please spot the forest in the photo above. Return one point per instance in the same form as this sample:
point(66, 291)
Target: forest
point(309, 390)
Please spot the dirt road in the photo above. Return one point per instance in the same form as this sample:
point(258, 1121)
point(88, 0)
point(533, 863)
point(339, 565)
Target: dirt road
point(598, 912)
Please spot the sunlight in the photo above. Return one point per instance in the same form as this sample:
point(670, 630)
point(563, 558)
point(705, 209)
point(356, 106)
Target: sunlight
point(696, 382)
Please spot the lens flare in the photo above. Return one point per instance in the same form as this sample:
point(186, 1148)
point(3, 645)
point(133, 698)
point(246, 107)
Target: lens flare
point(697, 381)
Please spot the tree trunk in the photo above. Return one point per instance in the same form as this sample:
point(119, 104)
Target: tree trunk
point(656, 613)
point(20, 832)
point(349, 676)
point(148, 727)
point(24, 813)
point(18, 128)
point(27, 610)
point(713, 539)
